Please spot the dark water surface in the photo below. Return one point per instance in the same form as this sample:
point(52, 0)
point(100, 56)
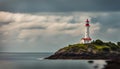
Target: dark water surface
point(37, 61)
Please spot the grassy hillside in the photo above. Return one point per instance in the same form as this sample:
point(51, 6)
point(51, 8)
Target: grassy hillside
point(97, 46)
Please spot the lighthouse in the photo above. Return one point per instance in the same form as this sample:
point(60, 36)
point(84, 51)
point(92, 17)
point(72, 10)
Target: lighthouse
point(86, 38)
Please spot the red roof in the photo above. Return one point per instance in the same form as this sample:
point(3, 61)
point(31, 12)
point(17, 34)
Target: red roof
point(87, 24)
point(86, 38)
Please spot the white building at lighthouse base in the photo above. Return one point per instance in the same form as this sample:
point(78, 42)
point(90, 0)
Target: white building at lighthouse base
point(85, 40)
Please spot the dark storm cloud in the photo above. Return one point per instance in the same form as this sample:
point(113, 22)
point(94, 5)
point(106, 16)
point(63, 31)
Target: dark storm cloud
point(110, 25)
point(35, 28)
point(112, 20)
point(4, 23)
point(68, 28)
point(59, 5)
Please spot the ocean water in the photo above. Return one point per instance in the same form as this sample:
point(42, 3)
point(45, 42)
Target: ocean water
point(37, 61)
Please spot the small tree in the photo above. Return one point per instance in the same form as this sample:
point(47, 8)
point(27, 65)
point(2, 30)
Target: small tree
point(118, 43)
point(113, 46)
point(99, 42)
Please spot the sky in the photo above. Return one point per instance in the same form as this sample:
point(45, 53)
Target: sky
point(48, 25)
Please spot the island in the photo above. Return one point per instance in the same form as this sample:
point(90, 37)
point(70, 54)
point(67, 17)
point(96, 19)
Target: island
point(91, 50)
point(95, 50)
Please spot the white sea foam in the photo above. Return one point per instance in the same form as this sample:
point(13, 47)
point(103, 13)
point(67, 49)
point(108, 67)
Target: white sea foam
point(40, 58)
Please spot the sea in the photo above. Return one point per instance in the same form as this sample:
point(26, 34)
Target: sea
point(37, 61)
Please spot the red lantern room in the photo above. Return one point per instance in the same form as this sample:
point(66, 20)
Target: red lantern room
point(87, 23)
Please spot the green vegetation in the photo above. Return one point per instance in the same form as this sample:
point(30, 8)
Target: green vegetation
point(97, 46)
point(118, 43)
point(110, 45)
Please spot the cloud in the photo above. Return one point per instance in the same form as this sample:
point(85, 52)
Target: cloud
point(110, 30)
point(19, 28)
point(59, 5)
point(30, 26)
point(38, 25)
point(21, 31)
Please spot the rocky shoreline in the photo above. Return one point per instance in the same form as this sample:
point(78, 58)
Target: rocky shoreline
point(84, 56)
point(113, 64)
point(112, 60)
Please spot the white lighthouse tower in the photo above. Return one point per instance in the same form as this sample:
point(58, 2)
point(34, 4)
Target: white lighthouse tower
point(86, 38)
